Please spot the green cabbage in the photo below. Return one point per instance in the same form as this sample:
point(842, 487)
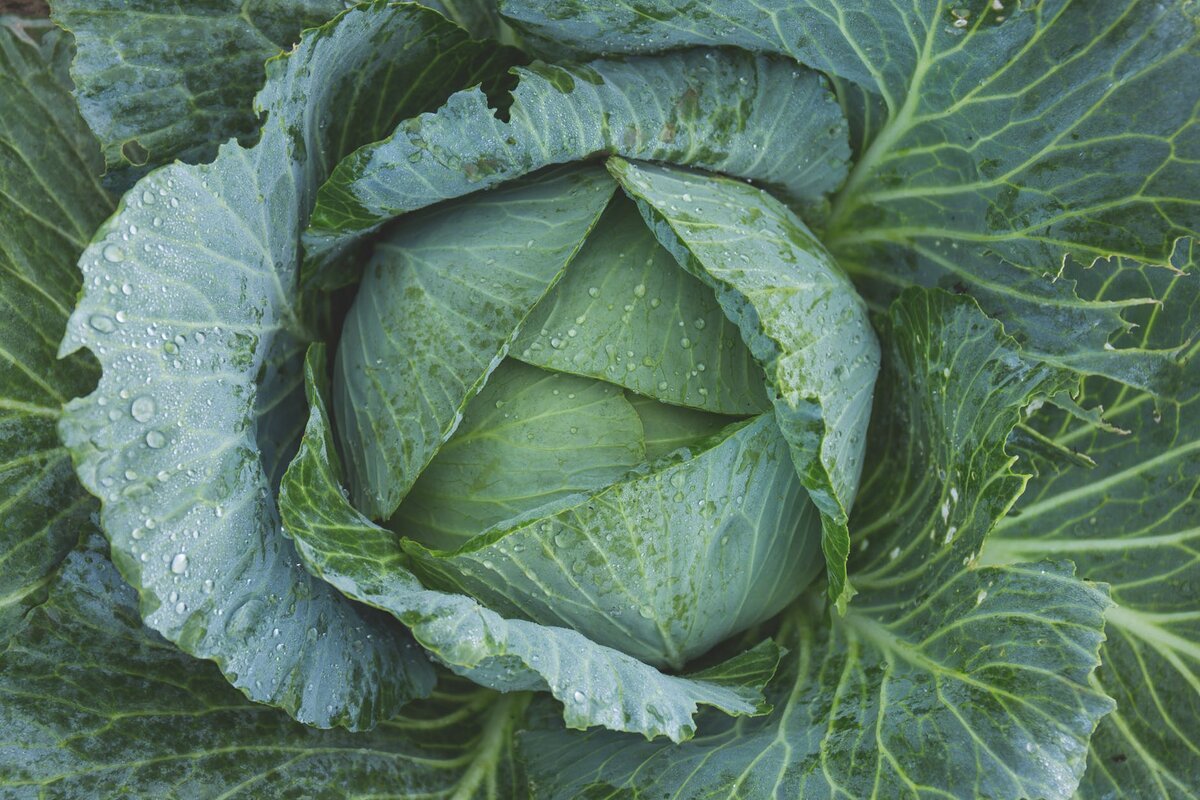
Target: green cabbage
point(593, 399)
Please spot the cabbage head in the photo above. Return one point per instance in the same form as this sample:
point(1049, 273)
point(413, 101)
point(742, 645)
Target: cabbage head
point(600, 399)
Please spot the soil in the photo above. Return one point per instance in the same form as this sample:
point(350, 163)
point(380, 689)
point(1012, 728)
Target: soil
point(25, 8)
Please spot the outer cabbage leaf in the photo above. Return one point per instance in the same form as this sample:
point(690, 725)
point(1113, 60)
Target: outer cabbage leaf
point(159, 80)
point(943, 679)
point(93, 704)
point(50, 202)
point(753, 117)
point(1016, 133)
point(595, 684)
point(797, 312)
point(190, 305)
point(442, 298)
point(1132, 521)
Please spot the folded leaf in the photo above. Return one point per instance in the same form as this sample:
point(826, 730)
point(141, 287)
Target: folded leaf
point(626, 313)
point(1016, 133)
point(529, 439)
point(191, 305)
point(796, 311)
point(443, 297)
point(753, 117)
point(941, 673)
point(663, 564)
point(595, 684)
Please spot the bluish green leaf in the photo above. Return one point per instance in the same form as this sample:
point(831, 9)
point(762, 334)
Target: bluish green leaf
point(159, 80)
point(626, 313)
point(50, 202)
point(797, 312)
point(1016, 133)
point(444, 295)
point(748, 116)
point(531, 437)
point(1133, 521)
point(92, 704)
point(662, 565)
point(944, 678)
point(595, 684)
point(190, 304)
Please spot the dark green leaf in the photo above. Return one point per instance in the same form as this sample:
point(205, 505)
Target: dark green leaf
point(160, 79)
point(480, 17)
point(92, 704)
point(1134, 521)
point(50, 202)
point(668, 428)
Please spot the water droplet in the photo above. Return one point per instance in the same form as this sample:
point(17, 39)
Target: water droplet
point(126, 289)
point(593, 291)
point(685, 343)
point(179, 563)
point(639, 290)
point(102, 323)
point(143, 409)
point(208, 585)
point(148, 197)
point(579, 696)
point(180, 607)
point(155, 439)
point(113, 253)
